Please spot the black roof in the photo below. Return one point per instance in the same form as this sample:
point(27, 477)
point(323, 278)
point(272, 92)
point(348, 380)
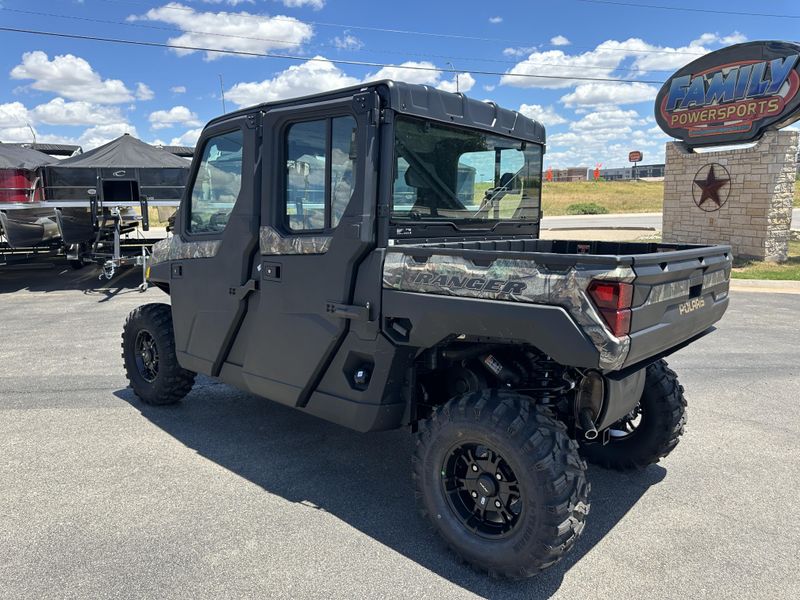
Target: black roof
point(183, 151)
point(13, 156)
point(429, 103)
point(52, 149)
point(126, 152)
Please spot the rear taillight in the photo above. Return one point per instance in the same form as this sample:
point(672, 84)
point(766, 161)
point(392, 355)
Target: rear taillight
point(613, 299)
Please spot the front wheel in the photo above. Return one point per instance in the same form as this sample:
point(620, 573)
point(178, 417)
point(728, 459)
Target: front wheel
point(501, 482)
point(148, 350)
point(650, 431)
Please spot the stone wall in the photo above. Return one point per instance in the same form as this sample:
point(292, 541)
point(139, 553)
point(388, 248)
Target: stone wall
point(756, 212)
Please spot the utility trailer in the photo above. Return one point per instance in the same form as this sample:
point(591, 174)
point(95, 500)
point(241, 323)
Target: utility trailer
point(24, 223)
point(370, 256)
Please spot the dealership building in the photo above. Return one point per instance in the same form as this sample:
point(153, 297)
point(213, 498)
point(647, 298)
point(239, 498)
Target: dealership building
point(626, 173)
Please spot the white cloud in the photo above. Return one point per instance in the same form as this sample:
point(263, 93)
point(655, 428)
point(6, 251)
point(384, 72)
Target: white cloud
point(606, 135)
point(320, 75)
point(230, 2)
point(424, 73)
point(17, 134)
point(102, 134)
point(734, 38)
point(604, 61)
point(13, 114)
point(238, 31)
point(347, 41)
point(519, 51)
point(495, 20)
point(670, 59)
point(599, 62)
point(189, 138)
point(298, 80)
point(178, 89)
point(315, 4)
point(560, 40)
point(143, 92)
point(602, 93)
point(465, 82)
point(60, 112)
point(546, 115)
point(177, 115)
point(70, 76)
point(607, 119)
point(14, 118)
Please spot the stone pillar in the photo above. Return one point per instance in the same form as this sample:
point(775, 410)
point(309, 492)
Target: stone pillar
point(751, 211)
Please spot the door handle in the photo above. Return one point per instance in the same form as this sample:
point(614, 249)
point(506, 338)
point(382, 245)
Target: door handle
point(348, 311)
point(242, 291)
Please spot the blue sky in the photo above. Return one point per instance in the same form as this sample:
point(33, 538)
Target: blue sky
point(90, 92)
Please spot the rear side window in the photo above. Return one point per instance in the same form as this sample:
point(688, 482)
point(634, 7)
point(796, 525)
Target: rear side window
point(320, 164)
point(217, 184)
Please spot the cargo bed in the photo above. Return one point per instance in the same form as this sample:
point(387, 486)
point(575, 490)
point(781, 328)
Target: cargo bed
point(677, 290)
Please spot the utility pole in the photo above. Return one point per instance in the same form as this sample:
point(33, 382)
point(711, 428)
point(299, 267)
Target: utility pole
point(454, 69)
point(222, 91)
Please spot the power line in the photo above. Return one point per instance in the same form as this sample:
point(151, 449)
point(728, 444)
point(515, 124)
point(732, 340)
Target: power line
point(400, 31)
point(287, 43)
point(695, 10)
point(361, 63)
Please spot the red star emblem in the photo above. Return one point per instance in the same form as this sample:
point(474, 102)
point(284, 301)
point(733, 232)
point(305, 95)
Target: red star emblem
point(710, 187)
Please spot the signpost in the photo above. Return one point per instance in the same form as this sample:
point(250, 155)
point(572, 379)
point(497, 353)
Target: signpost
point(635, 157)
point(741, 196)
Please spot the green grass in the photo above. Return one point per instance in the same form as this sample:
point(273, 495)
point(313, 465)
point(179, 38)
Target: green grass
point(616, 196)
point(789, 270)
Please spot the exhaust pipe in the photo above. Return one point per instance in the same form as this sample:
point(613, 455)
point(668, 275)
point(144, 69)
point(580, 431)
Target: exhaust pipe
point(589, 430)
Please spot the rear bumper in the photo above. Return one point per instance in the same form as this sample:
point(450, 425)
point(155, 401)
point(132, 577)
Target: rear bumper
point(674, 330)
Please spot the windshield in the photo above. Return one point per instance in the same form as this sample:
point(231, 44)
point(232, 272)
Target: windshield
point(462, 175)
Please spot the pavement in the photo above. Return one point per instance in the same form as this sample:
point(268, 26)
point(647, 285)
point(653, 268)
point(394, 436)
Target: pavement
point(231, 496)
point(645, 220)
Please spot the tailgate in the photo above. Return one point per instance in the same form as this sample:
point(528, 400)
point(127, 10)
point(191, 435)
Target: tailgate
point(677, 295)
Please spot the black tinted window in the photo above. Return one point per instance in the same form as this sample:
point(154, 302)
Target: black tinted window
point(464, 176)
point(217, 183)
point(320, 163)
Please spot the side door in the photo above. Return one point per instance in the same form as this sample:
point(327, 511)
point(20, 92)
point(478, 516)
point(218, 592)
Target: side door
point(317, 226)
point(216, 243)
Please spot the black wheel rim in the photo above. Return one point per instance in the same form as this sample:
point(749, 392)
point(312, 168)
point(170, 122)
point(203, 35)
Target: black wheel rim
point(482, 490)
point(146, 353)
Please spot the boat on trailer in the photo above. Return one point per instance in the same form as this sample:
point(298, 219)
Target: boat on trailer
point(24, 222)
point(89, 202)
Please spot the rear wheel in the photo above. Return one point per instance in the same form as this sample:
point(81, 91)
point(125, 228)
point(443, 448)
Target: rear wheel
point(501, 482)
point(148, 350)
point(650, 431)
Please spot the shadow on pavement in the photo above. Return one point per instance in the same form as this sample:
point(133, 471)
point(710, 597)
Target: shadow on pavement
point(363, 479)
point(51, 274)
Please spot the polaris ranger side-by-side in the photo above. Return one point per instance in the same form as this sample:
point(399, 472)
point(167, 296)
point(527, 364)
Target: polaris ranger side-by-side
point(371, 256)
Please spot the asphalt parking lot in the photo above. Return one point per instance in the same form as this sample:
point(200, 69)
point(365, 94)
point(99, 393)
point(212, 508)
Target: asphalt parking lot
point(228, 496)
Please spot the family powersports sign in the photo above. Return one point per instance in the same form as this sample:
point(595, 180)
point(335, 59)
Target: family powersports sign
point(732, 95)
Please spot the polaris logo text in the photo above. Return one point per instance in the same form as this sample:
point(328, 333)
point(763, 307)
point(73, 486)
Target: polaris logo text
point(691, 306)
point(477, 284)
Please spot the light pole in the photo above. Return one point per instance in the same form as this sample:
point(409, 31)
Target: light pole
point(452, 66)
point(222, 91)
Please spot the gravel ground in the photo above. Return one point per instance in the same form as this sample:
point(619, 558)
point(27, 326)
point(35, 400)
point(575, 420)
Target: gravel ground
point(228, 495)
